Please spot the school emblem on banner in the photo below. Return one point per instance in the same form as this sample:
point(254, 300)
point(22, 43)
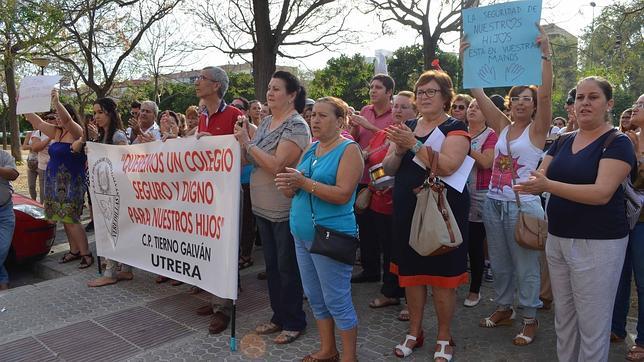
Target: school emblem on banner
point(106, 196)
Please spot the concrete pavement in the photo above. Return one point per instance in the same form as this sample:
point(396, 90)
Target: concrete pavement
point(61, 319)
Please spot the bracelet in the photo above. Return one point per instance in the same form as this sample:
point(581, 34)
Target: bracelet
point(547, 58)
point(249, 146)
point(416, 147)
point(315, 183)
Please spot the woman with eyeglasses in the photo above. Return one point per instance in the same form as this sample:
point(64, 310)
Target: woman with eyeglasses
point(625, 124)
point(65, 178)
point(634, 261)
point(515, 267)
point(460, 103)
point(443, 273)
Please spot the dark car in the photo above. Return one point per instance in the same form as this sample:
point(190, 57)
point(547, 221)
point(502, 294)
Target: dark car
point(33, 235)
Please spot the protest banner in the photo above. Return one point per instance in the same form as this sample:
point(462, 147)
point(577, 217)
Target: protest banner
point(503, 49)
point(171, 208)
point(34, 94)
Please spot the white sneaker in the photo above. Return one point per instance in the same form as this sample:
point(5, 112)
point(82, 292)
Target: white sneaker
point(472, 303)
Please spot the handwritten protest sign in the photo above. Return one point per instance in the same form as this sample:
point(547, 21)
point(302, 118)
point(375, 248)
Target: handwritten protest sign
point(35, 93)
point(171, 208)
point(503, 49)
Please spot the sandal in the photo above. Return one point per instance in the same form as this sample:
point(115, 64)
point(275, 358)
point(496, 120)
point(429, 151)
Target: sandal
point(69, 256)
point(442, 352)
point(286, 337)
point(310, 358)
point(406, 351)
point(522, 339)
point(84, 264)
point(635, 353)
point(403, 316)
point(101, 282)
point(245, 262)
point(267, 328)
point(488, 322)
point(383, 302)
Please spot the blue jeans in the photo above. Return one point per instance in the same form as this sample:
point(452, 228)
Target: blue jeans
point(284, 283)
point(633, 264)
point(509, 261)
point(7, 224)
point(327, 284)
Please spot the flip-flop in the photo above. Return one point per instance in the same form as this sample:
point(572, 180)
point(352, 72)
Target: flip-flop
point(101, 282)
point(635, 353)
point(383, 302)
point(286, 337)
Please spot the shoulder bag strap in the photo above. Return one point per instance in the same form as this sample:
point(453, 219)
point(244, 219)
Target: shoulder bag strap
point(514, 179)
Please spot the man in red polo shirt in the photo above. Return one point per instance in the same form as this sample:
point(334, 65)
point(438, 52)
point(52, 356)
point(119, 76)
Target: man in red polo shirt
point(216, 119)
point(372, 118)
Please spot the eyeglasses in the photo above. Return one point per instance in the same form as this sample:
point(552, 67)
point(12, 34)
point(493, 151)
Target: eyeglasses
point(429, 92)
point(203, 77)
point(639, 105)
point(134, 113)
point(239, 106)
point(460, 107)
point(522, 98)
point(50, 117)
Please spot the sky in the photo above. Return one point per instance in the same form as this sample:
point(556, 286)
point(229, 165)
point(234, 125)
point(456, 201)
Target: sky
point(571, 15)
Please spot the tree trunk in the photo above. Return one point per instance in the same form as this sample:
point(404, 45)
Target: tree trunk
point(11, 112)
point(429, 48)
point(157, 94)
point(265, 51)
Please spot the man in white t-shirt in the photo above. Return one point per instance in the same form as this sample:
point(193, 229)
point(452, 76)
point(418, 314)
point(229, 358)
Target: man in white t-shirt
point(40, 144)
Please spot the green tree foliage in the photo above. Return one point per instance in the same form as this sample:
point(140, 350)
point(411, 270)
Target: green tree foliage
point(344, 77)
point(614, 49)
point(241, 85)
point(406, 64)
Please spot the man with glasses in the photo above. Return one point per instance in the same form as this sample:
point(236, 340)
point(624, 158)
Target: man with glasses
point(135, 107)
point(571, 125)
point(372, 118)
point(144, 128)
point(216, 119)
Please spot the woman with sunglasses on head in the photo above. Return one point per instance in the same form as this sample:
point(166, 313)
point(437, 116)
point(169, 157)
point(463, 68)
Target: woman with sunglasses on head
point(515, 267)
point(65, 178)
point(460, 103)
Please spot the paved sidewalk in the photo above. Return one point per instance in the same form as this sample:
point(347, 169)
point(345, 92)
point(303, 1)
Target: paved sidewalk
point(63, 320)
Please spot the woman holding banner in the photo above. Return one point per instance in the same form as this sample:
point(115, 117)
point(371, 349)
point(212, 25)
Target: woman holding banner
point(65, 186)
point(324, 184)
point(278, 143)
point(110, 131)
point(531, 113)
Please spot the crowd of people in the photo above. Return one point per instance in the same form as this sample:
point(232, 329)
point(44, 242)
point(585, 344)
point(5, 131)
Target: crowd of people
point(306, 163)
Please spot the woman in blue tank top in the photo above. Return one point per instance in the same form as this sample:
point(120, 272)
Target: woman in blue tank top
point(324, 184)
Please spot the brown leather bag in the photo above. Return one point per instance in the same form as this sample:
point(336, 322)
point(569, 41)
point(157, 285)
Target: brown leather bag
point(434, 230)
point(530, 232)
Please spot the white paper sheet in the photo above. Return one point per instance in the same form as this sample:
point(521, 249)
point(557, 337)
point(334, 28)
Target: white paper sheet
point(35, 93)
point(458, 179)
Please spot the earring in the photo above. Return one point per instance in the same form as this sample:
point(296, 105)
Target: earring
point(289, 102)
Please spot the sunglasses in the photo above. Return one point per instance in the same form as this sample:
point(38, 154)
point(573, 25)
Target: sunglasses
point(460, 107)
point(239, 106)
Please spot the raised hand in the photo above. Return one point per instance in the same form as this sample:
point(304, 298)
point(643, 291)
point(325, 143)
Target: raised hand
point(543, 41)
point(487, 73)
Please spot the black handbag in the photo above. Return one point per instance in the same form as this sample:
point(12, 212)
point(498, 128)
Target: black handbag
point(331, 243)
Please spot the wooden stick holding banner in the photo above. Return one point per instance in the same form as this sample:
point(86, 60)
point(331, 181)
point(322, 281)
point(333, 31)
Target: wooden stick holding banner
point(502, 49)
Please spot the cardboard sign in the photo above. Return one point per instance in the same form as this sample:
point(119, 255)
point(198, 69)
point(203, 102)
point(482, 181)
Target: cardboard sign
point(34, 94)
point(503, 49)
point(171, 208)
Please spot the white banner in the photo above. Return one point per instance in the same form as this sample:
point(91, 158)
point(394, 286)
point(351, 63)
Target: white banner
point(171, 208)
point(34, 94)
